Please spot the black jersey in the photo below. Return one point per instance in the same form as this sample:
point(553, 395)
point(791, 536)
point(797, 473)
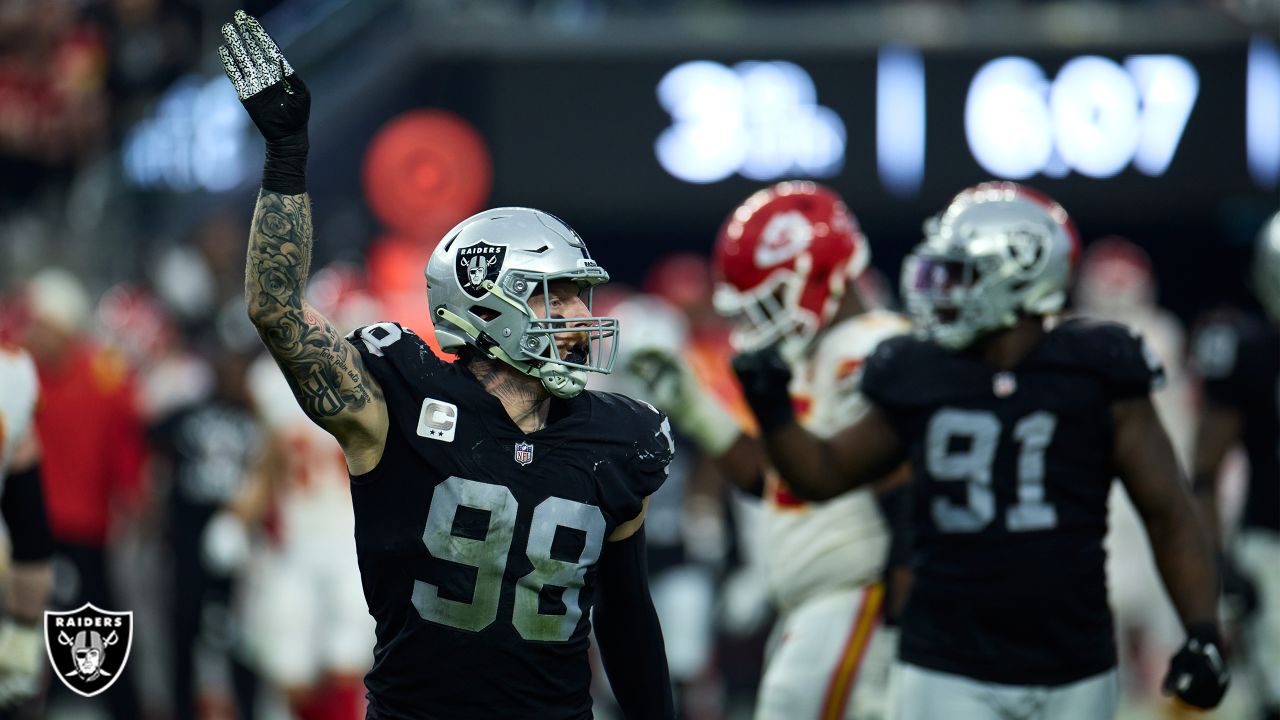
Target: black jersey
point(477, 543)
point(1239, 361)
point(1009, 499)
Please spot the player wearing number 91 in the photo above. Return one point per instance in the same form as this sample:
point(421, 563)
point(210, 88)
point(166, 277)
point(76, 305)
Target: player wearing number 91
point(496, 502)
point(1015, 429)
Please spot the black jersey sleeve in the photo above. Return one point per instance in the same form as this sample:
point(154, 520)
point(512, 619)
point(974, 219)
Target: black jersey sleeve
point(1127, 365)
point(644, 454)
point(889, 379)
point(1220, 354)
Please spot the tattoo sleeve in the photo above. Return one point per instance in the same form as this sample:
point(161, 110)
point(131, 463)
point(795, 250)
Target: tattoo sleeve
point(326, 374)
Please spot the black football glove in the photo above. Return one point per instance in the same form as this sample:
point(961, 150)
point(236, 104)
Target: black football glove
point(276, 98)
point(1198, 673)
point(764, 376)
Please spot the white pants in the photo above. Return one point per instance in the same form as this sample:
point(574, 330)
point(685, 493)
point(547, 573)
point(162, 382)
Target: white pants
point(684, 598)
point(830, 660)
point(920, 694)
point(1258, 553)
point(306, 616)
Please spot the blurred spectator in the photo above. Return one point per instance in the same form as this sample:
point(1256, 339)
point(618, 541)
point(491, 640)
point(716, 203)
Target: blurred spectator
point(93, 447)
point(53, 106)
point(170, 375)
point(203, 454)
point(307, 627)
point(152, 44)
point(1117, 283)
point(1237, 357)
point(685, 534)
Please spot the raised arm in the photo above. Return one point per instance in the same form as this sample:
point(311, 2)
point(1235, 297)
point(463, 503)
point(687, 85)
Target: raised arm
point(815, 469)
point(1145, 459)
point(326, 374)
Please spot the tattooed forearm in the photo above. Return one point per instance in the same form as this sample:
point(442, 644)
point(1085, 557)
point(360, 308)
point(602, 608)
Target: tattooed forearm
point(326, 374)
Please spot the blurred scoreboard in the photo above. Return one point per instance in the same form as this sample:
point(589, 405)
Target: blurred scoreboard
point(1111, 134)
point(645, 149)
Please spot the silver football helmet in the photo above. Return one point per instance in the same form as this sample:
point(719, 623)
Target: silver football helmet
point(1266, 266)
point(998, 251)
point(479, 281)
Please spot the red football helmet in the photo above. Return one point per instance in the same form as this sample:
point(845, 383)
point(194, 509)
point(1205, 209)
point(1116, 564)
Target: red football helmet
point(783, 259)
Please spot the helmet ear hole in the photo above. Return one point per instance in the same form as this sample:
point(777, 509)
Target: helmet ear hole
point(484, 313)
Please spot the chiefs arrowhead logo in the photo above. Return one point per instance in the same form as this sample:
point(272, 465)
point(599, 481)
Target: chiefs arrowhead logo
point(784, 237)
point(88, 647)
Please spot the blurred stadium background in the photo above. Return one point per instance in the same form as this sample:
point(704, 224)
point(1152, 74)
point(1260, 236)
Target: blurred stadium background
point(126, 161)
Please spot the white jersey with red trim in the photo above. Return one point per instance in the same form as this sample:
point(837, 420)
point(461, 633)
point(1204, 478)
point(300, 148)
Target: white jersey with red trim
point(814, 548)
point(312, 501)
point(17, 402)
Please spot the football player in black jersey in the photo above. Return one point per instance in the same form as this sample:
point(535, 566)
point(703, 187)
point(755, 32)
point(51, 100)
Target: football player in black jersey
point(496, 503)
point(1014, 430)
point(1238, 359)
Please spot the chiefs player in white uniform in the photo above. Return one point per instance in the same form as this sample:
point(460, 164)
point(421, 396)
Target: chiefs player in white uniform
point(308, 628)
point(24, 533)
point(786, 260)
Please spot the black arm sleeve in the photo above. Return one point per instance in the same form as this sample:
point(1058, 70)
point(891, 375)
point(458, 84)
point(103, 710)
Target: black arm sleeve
point(629, 635)
point(895, 505)
point(23, 508)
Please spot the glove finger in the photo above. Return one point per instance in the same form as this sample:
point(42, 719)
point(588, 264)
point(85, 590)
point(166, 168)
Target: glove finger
point(232, 69)
point(292, 83)
point(251, 77)
point(270, 69)
point(259, 37)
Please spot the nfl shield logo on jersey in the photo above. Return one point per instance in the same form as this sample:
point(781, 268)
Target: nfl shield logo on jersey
point(524, 453)
point(88, 647)
point(1004, 384)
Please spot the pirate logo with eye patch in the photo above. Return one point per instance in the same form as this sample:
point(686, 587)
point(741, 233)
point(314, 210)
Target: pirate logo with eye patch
point(477, 263)
point(88, 647)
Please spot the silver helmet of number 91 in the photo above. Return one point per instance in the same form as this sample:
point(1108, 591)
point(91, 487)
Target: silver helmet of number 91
point(1266, 266)
point(481, 278)
point(997, 252)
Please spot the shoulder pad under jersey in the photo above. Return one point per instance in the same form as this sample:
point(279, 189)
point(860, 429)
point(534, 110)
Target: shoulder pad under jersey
point(639, 436)
point(898, 372)
point(1116, 353)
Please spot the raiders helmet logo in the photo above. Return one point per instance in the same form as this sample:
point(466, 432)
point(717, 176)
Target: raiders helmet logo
point(477, 263)
point(88, 647)
point(1028, 245)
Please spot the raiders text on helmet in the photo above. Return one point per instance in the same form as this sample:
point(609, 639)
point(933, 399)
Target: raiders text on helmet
point(783, 259)
point(998, 251)
point(479, 281)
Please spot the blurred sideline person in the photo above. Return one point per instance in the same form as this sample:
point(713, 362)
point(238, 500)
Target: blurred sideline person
point(203, 453)
point(93, 448)
point(1015, 430)
point(1117, 284)
point(306, 624)
point(786, 260)
point(26, 546)
point(496, 503)
point(684, 532)
point(1238, 359)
